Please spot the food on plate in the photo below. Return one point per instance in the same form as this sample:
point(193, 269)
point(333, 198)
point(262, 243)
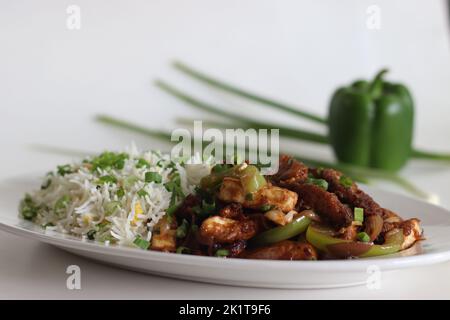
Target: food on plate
point(150, 201)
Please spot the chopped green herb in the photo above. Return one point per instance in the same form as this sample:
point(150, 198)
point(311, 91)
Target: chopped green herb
point(222, 253)
point(111, 207)
point(61, 205)
point(321, 183)
point(46, 184)
point(218, 168)
point(109, 160)
point(153, 177)
point(141, 243)
point(49, 224)
point(208, 208)
point(364, 237)
point(182, 229)
point(194, 228)
point(358, 214)
point(120, 193)
point(346, 181)
point(128, 182)
point(28, 208)
point(249, 196)
point(142, 193)
point(91, 234)
point(266, 207)
point(107, 179)
point(65, 169)
point(183, 250)
point(141, 163)
point(171, 210)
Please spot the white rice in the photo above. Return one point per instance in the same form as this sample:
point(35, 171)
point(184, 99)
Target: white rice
point(96, 211)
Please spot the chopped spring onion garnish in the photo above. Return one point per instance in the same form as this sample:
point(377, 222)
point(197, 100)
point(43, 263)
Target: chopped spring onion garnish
point(153, 177)
point(183, 250)
point(358, 214)
point(141, 243)
point(182, 229)
point(222, 253)
point(107, 179)
point(61, 204)
point(63, 170)
point(142, 193)
point(91, 234)
point(28, 208)
point(109, 160)
point(346, 181)
point(364, 237)
point(266, 207)
point(46, 184)
point(249, 196)
point(120, 193)
point(321, 183)
point(141, 163)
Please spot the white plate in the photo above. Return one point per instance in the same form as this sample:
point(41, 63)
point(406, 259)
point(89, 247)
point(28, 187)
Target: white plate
point(255, 273)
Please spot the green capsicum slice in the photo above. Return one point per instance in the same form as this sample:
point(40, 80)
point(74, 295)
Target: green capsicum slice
point(293, 228)
point(322, 240)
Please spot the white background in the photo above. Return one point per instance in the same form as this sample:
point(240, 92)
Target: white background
point(53, 81)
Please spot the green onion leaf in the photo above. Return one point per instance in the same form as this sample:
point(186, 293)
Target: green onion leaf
point(346, 181)
point(358, 214)
point(141, 163)
point(321, 183)
point(65, 169)
point(218, 168)
point(182, 229)
point(142, 193)
point(364, 237)
point(183, 250)
point(249, 196)
point(120, 193)
point(266, 207)
point(28, 208)
point(111, 207)
point(222, 253)
point(107, 179)
point(46, 184)
point(153, 177)
point(61, 204)
point(141, 243)
point(91, 234)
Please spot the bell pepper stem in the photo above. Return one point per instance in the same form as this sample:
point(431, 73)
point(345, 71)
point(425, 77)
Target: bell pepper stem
point(377, 83)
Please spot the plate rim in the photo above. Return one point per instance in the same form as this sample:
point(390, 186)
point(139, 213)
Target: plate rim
point(348, 265)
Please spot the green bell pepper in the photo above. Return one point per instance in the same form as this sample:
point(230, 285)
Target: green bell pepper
point(293, 228)
point(323, 241)
point(371, 124)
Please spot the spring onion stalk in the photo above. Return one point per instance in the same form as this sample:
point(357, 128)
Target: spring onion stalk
point(360, 174)
point(358, 214)
point(195, 74)
point(251, 96)
point(246, 122)
point(420, 154)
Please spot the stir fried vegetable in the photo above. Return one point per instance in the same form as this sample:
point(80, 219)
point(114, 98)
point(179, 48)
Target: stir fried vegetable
point(296, 227)
point(321, 239)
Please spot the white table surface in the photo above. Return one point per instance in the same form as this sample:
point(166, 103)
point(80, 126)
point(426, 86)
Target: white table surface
point(54, 80)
